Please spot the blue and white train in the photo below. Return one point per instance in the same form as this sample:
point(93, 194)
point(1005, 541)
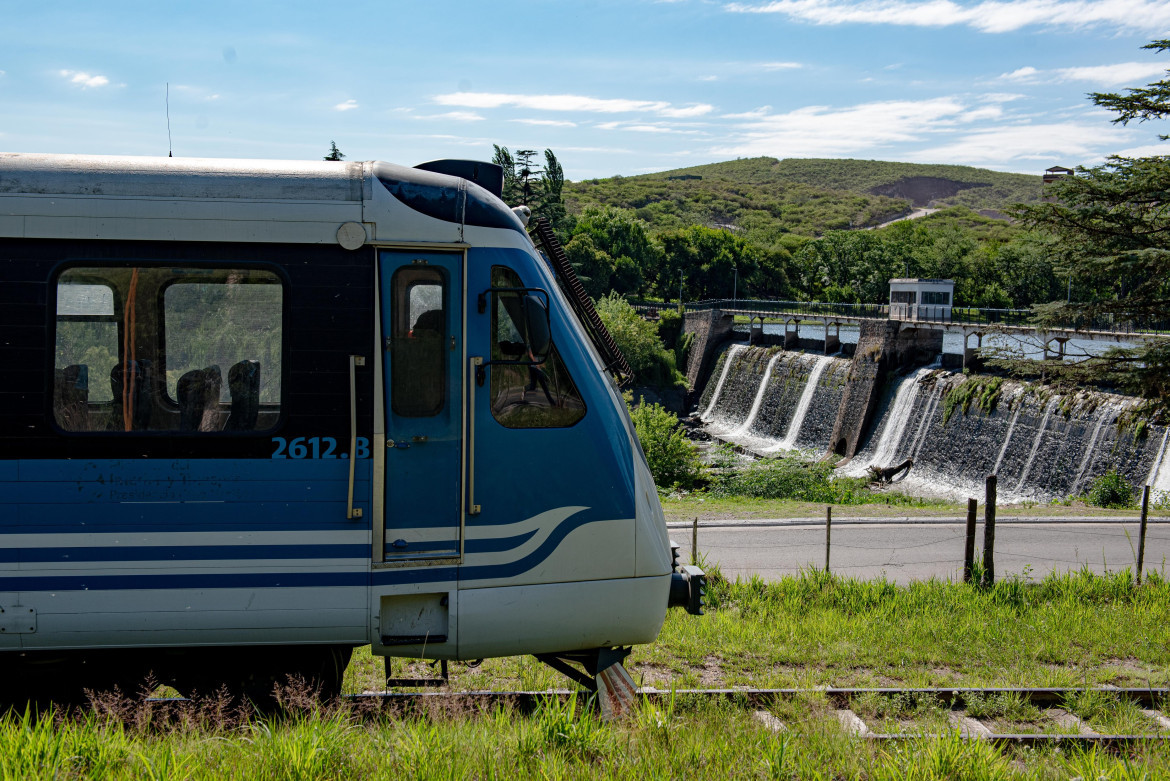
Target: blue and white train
point(254, 414)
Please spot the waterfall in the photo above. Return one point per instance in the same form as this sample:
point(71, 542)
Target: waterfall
point(1036, 443)
point(1159, 480)
point(814, 377)
point(1106, 412)
point(733, 351)
point(924, 424)
point(896, 419)
point(1007, 438)
point(751, 418)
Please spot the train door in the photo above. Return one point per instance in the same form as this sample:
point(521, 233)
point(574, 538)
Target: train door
point(422, 330)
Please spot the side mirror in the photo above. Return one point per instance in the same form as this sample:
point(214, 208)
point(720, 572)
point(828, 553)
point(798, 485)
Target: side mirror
point(536, 327)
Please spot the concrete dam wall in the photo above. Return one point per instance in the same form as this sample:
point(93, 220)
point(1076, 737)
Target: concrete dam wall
point(874, 411)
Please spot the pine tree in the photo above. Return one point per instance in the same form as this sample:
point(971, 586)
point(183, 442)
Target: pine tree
point(335, 154)
point(1112, 224)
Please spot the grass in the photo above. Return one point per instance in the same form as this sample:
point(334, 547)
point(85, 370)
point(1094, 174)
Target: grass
point(682, 738)
point(812, 630)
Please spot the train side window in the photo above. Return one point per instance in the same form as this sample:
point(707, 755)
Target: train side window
point(418, 337)
point(526, 395)
point(152, 348)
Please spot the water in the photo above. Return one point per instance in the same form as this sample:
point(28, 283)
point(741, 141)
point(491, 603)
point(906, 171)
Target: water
point(759, 400)
point(1012, 346)
point(1042, 447)
point(806, 397)
point(732, 352)
point(893, 427)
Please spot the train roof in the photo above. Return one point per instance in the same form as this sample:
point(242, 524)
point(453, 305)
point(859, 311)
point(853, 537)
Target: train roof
point(201, 199)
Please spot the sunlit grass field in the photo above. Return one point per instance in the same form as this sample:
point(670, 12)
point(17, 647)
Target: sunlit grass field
point(812, 630)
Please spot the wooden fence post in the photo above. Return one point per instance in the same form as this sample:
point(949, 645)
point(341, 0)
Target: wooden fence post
point(1142, 533)
point(969, 550)
point(828, 534)
point(989, 533)
point(695, 541)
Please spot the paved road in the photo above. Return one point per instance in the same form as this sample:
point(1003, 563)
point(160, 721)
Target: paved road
point(904, 551)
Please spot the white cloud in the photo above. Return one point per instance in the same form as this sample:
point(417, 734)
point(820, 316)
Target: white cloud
point(819, 131)
point(708, 78)
point(992, 16)
point(1074, 142)
point(1002, 97)
point(779, 66)
point(569, 103)
point(346, 106)
point(683, 112)
point(1149, 150)
point(545, 122)
point(1104, 75)
point(755, 113)
point(456, 116)
point(84, 80)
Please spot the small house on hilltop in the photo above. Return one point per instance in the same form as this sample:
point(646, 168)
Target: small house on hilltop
point(1055, 173)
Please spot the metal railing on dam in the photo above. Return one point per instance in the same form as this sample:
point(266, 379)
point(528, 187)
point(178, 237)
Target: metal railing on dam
point(940, 316)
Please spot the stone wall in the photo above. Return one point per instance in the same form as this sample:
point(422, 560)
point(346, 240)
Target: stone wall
point(876, 349)
point(712, 330)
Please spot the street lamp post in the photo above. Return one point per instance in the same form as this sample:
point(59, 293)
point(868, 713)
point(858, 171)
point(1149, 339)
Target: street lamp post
point(735, 286)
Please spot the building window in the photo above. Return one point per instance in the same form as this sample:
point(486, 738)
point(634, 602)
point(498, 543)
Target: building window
point(145, 348)
point(526, 395)
point(936, 298)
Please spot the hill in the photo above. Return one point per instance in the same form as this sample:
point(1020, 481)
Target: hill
point(764, 198)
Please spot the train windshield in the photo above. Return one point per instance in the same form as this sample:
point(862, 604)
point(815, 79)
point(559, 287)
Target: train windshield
point(526, 395)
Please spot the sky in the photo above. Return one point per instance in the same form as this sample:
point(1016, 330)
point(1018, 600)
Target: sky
point(612, 87)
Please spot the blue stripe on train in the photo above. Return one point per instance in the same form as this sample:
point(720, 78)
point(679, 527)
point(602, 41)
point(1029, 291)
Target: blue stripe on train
point(183, 553)
point(202, 581)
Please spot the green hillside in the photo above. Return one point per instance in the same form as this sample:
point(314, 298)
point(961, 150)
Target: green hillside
point(763, 198)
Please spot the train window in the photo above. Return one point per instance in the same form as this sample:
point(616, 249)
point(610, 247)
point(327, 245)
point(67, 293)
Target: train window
point(525, 395)
point(418, 337)
point(167, 349)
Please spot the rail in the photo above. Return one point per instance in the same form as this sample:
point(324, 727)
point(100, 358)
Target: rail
point(921, 313)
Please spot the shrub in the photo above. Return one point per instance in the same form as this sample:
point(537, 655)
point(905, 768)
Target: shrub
point(1110, 490)
point(639, 341)
point(791, 477)
point(674, 460)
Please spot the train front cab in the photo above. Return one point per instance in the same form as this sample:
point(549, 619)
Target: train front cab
point(516, 514)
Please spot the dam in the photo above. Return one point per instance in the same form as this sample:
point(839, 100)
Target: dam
point(889, 398)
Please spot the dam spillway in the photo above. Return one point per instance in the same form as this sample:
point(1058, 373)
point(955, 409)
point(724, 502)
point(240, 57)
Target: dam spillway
point(958, 428)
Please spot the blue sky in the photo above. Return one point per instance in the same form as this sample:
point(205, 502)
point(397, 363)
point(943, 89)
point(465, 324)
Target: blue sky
point(621, 87)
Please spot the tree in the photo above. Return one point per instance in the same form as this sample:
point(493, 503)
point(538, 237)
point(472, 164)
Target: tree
point(542, 190)
point(335, 154)
point(1112, 226)
point(626, 240)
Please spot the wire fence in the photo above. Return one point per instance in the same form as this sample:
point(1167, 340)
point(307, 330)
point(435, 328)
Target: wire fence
point(942, 548)
point(1020, 318)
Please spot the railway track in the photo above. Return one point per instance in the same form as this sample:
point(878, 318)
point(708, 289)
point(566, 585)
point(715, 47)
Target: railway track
point(1058, 724)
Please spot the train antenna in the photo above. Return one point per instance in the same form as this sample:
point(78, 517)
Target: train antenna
point(170, 152)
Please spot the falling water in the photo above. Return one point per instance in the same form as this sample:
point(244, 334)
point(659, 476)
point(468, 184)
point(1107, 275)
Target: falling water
point(751, 418)
point(1036, 444)
point(1106, 412)
point(896, 420)
point(1159, 480)
point(727, 362)
point(814, 378)
point(1006, 440)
